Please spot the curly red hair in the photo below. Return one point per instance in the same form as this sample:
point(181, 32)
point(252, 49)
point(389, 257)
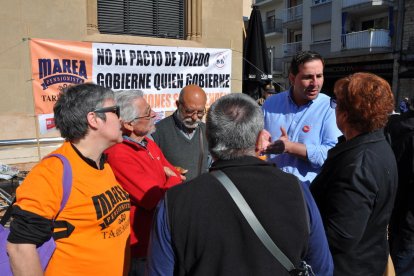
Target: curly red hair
point(366, 98)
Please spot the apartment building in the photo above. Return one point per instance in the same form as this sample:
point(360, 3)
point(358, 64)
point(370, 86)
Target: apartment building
point(353, 35)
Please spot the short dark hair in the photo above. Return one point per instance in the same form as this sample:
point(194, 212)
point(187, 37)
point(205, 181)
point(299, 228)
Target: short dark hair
point(73, 105)
point(302, 57)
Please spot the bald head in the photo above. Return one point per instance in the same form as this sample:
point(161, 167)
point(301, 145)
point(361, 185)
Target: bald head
point(191, 105)
point(192, 93)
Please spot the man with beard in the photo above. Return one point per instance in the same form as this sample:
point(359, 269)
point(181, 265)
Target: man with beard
point(141, 169)
point(300, 120)
point(181, 136)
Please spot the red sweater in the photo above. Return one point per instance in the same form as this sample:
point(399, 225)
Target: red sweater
point(140, 171)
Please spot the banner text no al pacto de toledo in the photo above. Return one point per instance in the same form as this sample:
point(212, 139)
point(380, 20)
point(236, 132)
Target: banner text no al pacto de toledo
point(161, 72)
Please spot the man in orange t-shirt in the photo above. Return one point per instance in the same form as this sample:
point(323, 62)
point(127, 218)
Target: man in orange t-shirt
point(97, 208)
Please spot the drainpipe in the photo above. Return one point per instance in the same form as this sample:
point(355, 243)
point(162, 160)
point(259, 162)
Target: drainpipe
point(397, 51)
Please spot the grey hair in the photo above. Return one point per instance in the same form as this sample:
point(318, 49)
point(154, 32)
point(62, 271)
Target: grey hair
point(232, 126)
point(125, 99)
point(73, 106)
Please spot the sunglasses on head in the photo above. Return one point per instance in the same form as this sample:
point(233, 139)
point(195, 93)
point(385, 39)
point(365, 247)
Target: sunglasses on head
point(114, 109)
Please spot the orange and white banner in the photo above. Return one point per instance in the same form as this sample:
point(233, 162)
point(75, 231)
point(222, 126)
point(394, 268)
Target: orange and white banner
point(161, 72)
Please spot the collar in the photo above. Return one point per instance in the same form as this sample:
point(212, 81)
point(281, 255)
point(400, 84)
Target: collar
point(89, 161)
point(143, 143)
point(364, 138)
point(290, 97)
point(239, 162)
point(180, 124)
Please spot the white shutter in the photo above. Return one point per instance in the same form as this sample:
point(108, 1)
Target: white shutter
point(321, 32)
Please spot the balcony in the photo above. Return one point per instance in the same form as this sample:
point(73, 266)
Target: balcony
point(368, 39)
point(289, 49)
point(292, 17)
point(319, 2)
point(366, 6)
point(272, 26)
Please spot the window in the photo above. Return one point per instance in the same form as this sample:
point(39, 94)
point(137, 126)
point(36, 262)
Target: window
point(377, 23)
point(294, 36)
point(321, 32)
point(155, 18)
point(270, 21)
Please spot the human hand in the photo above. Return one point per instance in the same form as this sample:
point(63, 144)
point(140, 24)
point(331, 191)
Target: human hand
point(169, 172)
point(263, 141)
point(284, 136)
point(277, 147)
point(182, 172)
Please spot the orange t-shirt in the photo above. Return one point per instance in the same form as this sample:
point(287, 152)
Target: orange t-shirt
point(98, 207)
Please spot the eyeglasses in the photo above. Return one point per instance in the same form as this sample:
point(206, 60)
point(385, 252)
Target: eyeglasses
point(333, 103)
point(146, 117)
point(114, 109)
point(191, 113)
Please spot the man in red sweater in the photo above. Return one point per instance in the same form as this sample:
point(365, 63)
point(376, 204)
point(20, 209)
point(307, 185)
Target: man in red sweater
point(142, 170)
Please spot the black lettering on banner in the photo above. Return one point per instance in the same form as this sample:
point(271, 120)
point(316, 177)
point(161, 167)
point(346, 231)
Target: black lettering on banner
point(132, 57)
point(195, 59)
point(180, 54)
point(120, 58)
point(146, 58)
point(170, 59)
point(124, 80)
point(104, 57)
point(208, 80)
point(163, 81)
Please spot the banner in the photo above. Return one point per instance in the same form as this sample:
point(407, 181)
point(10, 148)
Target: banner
point(161, 72)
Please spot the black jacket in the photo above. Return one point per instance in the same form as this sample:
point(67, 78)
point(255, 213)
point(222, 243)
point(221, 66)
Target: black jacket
point(210, 236)
point(355, 194)
point(401, 130)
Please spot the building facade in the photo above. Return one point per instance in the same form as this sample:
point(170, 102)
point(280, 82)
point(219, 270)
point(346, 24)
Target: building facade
point(177, 23)
point(353, 35)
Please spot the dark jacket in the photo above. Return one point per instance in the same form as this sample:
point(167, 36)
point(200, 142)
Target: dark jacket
point(355, 194)
point(211, 237)
point(401, 131)
point(179, 150)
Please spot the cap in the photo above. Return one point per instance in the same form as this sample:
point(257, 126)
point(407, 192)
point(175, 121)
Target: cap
point(270, 89)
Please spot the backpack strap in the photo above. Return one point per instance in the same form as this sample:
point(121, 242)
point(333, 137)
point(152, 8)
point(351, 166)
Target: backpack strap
point(252, 220)
point(67, 188)
point(66, 180)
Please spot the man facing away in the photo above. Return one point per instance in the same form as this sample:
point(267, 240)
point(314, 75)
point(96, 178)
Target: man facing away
point(141, 169)
point(401, 229)
point(301, 119)
point(199, 230)
point(87, 117)
point(181, 136)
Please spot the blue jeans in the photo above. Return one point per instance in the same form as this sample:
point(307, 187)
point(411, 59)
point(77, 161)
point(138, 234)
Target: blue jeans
point(403, 262)
point(137, 267)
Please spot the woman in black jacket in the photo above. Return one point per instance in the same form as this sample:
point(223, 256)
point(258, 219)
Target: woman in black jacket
point(356, 188)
